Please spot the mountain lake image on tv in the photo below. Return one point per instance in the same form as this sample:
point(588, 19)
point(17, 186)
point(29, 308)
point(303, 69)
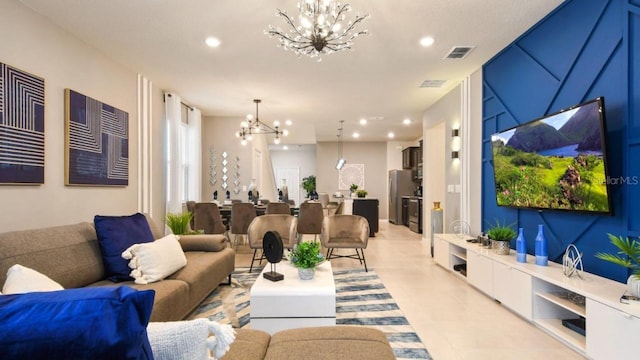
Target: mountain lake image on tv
point(557, 162)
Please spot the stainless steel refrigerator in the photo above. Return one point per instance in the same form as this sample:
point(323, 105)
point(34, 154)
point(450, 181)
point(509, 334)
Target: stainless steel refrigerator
point(400, 184)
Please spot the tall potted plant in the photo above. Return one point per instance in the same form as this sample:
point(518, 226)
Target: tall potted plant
point(309, 184)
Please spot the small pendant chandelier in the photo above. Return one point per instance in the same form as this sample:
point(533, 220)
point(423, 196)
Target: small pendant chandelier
point(253, 125)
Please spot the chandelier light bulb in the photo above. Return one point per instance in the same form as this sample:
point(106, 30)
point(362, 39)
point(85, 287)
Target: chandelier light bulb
point(250, 137)
point(258, 127)
point(276, 141)
point(249, 117)
point(276, 123)
point(285, 132)
point(244, 125)
point(243, 142)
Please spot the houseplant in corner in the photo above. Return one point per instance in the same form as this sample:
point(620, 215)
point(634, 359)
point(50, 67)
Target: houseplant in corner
point(629, 257)
point(306, 256)
point(500, 236)
point(309, 184)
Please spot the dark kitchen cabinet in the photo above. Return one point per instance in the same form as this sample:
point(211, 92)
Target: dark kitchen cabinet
point(367, 208)
point(410, 157)
point(405, 211)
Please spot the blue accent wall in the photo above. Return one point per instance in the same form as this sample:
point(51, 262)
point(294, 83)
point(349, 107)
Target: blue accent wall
point(582, 50)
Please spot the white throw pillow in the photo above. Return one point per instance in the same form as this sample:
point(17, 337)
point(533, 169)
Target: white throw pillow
point(21, 279)
point(189, 340)
point(155, 260)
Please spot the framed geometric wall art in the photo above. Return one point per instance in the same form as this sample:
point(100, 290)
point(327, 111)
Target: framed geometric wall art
point(351, 174)
point(21, 127)
point(96, 142)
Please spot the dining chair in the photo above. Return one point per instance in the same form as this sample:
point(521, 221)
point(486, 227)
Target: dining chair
point(278, 208)
point(284, 224)
point(310, 219)
point(206, 217)
point(191, 207)
point(241, 216)
point(345, 232)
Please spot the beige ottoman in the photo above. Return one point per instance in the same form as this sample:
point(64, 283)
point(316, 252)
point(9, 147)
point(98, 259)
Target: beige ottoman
point(324, 343)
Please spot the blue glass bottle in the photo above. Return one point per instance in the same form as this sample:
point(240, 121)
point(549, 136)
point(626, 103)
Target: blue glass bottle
point(541, 247)
point(521, 247)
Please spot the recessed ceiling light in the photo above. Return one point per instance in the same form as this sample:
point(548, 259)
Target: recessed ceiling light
point(406, 121)
point(288, 122)
point(212, 42)
point(427, 41)
point(391, 135)
point(363, 121)
point(356, 135)
point(285, 147)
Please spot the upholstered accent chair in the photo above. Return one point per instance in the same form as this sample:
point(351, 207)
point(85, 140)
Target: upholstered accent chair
point(278, 208)
point(310, 219)
point(329, 207)
point(206, 217)
point(345, 232)
point(285, 225)
point(241, 216)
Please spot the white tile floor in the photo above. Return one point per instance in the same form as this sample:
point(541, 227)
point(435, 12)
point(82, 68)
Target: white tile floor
point(453, 319)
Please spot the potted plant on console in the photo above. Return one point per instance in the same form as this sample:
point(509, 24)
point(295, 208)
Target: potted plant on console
point(352, 189)
point(306, 256)
point(500, 236)
point(361, 193)
point(629, 257)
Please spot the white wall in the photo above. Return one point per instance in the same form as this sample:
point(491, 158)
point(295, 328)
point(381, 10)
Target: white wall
point(475, 153)
point(33, 44)
point(437, 145)
point(372, 154)
point(301, 157)
point(218, 132)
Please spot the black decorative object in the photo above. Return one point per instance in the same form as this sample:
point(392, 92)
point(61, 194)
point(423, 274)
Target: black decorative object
point(272, 248)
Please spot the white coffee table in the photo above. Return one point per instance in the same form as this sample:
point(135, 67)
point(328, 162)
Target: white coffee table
point(293, 303)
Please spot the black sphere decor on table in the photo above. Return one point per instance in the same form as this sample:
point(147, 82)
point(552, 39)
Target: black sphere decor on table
point(272, 248)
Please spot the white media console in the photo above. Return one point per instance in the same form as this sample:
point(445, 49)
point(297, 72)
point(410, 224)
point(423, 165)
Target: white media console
point(544, 296)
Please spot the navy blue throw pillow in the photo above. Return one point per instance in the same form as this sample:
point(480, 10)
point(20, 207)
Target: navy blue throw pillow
point(86, 323)
point(115, 235)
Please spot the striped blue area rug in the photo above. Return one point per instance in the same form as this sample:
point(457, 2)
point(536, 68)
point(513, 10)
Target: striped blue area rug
point(361, 299)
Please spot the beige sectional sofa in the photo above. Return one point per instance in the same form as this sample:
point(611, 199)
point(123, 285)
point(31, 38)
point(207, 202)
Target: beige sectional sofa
point(70, 255)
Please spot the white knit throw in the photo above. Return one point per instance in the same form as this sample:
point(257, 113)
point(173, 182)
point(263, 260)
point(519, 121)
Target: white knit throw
point(190, 340)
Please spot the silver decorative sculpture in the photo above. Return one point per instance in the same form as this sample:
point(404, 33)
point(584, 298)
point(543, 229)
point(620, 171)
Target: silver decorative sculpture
point(236, 175)
point(572, 262)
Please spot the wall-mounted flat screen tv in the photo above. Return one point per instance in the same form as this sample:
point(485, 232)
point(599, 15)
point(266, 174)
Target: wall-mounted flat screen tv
point(557, 162)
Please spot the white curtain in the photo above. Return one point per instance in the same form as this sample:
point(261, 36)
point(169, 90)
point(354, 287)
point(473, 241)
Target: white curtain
point(195, 154)
point(173, 145)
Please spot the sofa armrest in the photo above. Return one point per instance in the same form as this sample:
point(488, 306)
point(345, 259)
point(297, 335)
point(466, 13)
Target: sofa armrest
point(203, 242)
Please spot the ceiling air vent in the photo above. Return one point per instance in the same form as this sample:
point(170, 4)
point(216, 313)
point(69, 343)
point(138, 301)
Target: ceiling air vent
point(459, 52)
point(433, 83)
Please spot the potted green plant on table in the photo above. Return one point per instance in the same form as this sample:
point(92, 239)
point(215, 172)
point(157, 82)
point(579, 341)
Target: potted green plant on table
point(361, 193)
point(309, 184)
point(629, 257)
point(352, 189)
point(501, 235)
point(306, 256)
point(179, 223)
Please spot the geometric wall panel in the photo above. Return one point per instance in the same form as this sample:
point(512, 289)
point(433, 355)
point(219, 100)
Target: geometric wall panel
point(580, 51)
point(96, 142)
point(21, 127)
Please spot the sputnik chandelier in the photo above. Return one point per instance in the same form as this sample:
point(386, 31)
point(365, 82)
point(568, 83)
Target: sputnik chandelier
point(320, 29)
point(254, 126)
